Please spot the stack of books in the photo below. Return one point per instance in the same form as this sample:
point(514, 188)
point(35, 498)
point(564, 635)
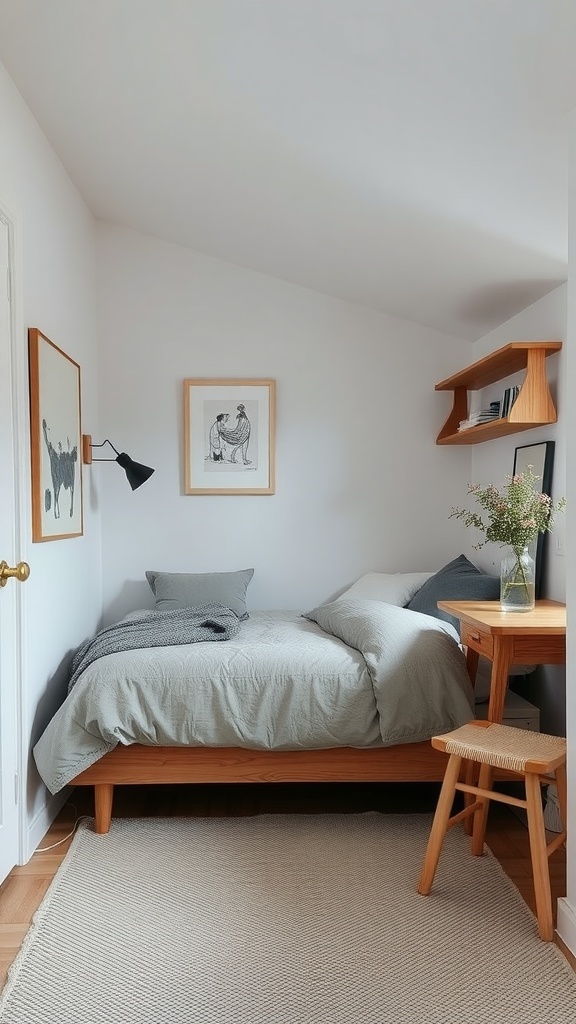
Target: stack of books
point(508, 399)
point(482, 416)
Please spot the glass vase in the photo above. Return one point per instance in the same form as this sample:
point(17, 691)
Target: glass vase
point(517, 581)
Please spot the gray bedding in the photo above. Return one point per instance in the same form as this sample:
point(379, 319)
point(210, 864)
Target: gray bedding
point(351, 673)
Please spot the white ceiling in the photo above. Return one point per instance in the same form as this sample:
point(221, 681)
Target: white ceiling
point(407, 154)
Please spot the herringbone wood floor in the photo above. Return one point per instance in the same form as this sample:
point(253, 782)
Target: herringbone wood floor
point(23, 890)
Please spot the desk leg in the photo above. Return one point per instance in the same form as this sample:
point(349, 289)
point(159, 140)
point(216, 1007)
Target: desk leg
point(501, 663)
point(472, 663)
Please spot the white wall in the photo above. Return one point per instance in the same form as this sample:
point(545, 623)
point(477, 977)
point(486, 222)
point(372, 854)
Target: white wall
point(567, 907)
point(62, 598)
point(360, 482)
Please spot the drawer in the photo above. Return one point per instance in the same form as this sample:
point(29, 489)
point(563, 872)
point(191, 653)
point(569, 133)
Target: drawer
point(473, 637)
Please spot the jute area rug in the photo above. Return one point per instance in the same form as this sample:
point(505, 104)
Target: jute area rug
point(281, 920)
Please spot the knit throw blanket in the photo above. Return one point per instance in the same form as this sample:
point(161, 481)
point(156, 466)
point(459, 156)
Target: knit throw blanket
point(157, 629)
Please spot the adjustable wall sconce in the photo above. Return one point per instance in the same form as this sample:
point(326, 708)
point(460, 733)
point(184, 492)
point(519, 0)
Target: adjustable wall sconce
point(136, 473)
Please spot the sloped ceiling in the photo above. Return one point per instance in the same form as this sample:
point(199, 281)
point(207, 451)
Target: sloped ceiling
point(406, 154)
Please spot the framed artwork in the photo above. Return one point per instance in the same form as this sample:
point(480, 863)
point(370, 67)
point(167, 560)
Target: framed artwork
point(55, 438)
point(229, 436)
point(541, 457)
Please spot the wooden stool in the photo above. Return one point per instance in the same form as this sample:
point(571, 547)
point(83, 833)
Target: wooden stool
point(529, 754)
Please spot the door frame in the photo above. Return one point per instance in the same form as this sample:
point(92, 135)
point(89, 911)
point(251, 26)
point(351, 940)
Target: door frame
point(16, 595)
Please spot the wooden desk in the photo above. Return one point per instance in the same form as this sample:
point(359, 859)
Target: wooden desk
point(509, 638)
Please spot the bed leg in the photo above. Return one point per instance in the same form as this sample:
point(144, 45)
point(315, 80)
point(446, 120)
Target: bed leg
point(103, 795)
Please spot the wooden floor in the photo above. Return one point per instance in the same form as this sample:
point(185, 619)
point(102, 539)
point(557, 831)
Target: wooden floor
point(23, 890)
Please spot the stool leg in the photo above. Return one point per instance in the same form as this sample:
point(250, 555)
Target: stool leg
point(539, 855)
point(481, 815)
point(470, 778)
point(439, 825)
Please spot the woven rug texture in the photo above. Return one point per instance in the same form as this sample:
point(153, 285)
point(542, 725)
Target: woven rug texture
point(282, 919)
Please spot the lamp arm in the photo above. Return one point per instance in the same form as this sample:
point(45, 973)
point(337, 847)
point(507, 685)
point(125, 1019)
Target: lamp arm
point(101, 445)
point(87, 447)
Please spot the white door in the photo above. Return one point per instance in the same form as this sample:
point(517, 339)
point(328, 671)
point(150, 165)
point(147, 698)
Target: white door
point(9, 598)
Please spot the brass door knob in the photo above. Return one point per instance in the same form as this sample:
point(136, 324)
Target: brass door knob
point(20, 572)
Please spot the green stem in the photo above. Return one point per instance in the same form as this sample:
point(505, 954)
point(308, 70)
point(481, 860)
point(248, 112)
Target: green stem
point(516, 571)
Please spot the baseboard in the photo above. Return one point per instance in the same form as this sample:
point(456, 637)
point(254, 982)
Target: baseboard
point(566, 926)
point(38, 827)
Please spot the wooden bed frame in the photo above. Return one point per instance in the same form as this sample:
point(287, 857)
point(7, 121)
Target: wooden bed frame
point(146, 765)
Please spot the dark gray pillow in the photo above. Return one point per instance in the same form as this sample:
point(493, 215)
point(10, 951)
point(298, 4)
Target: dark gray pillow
point(193, 589)
point(460, 580)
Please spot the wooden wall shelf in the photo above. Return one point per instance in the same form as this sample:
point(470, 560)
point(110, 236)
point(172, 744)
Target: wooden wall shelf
point(533, 407)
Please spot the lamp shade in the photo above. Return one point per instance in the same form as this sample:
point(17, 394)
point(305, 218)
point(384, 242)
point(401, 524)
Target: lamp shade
point(136, 473)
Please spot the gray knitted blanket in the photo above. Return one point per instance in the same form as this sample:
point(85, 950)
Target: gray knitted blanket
point(157, 629)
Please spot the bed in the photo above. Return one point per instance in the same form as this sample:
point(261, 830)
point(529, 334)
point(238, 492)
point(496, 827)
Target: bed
point(350, 691)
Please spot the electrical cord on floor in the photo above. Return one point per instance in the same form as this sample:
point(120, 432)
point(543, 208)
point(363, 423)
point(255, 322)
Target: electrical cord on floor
point(79, 818)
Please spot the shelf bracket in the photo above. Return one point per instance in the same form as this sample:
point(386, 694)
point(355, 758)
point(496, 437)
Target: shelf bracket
point(459, 412)
point(534, 402)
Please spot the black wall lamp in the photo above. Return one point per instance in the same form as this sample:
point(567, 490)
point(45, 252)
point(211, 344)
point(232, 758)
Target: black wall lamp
point(136, 473)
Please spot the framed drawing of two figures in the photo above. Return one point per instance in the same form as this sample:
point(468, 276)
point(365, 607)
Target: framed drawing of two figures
point(229, 436)
point(55, 440)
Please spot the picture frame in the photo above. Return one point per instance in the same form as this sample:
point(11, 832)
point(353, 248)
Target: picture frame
point(55, 440)
point(541, 457)
point(229, 436)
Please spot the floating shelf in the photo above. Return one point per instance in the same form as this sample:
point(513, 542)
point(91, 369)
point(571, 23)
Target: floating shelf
point(533, 407)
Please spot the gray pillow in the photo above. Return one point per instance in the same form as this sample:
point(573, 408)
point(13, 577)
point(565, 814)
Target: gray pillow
point(459, 580)
point(194, 589)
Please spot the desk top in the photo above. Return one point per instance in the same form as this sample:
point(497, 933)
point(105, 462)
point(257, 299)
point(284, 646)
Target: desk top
point(548, 617)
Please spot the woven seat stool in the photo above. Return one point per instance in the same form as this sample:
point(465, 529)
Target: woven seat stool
point(535, 757)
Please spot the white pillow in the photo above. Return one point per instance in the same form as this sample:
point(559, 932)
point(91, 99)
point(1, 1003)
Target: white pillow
point(394, 588)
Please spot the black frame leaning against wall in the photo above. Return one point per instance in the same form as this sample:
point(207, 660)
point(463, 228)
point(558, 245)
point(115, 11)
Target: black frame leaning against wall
point(541, 457)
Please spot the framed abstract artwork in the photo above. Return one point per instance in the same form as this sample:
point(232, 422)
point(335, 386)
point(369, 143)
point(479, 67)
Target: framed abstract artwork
point(541, 457)
point(55, 438)
point(229, 436)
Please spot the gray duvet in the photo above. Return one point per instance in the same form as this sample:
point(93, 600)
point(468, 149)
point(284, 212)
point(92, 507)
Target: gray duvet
point(350, 673)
